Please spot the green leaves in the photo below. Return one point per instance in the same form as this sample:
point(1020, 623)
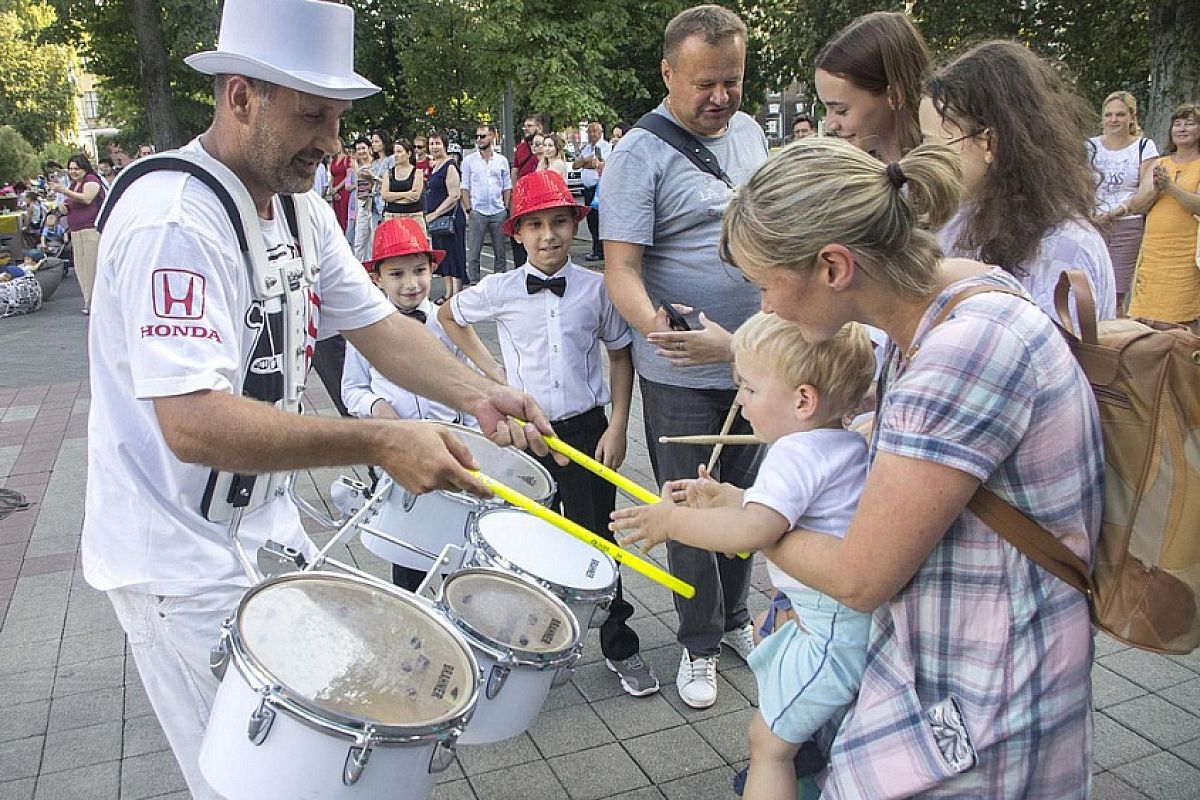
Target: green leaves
point(36, 94)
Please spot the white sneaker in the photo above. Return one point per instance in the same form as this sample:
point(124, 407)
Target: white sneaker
point(741, 640)
point(697, 680)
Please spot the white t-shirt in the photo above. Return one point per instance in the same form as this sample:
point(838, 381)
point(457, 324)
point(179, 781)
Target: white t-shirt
point(550, 344)
point(813, 480)
point(1118, 172)
point(174, 314)
point(363, 385)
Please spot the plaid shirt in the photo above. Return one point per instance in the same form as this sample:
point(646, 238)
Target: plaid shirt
point(993, 392)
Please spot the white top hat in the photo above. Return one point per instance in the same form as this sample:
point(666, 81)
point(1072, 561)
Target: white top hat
point(306, 45)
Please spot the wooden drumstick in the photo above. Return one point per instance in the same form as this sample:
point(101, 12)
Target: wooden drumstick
point(725, 428)
point(733, 438)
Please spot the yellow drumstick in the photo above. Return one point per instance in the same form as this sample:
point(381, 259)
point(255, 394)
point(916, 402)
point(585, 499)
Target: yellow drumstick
point(651, 571)
point(615, 478)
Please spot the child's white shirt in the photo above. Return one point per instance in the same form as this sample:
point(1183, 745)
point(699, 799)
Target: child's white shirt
point(363, 385)
point(551, 345)
point(813, 479)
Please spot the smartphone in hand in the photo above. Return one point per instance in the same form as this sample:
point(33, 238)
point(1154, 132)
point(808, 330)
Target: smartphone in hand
point(676, 320)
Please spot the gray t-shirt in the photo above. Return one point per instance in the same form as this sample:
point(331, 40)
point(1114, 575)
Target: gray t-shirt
point(653, 196)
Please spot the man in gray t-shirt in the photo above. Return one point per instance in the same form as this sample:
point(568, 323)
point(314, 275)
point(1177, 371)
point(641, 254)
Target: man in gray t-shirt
point(661, 226)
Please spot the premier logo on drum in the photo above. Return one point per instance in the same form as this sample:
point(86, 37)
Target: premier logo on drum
point(592, 567)
point(551, 631)
point(443, 681)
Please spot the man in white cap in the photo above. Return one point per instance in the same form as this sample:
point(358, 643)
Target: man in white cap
point(184, 352)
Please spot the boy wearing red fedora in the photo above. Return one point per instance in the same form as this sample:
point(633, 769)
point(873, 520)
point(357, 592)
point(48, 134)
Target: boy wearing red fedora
point(553, 318)
point(401, 265)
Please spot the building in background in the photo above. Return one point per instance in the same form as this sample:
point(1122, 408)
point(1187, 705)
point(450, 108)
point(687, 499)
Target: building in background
point(780, 109)
point(90, 126)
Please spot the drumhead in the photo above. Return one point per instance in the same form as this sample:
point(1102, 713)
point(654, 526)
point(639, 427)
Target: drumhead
point(533, 546)
point(341, 645)
point(510, 613)
point(513, 468)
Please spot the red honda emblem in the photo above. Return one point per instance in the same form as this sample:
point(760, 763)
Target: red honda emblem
point(178, 294)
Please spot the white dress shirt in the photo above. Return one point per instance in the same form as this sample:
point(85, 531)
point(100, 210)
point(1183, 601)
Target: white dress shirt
point(363, 385)
point(486, 181)
point(550, 344)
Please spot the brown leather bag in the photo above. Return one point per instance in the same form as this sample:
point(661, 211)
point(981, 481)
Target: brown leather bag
point(1145, 579)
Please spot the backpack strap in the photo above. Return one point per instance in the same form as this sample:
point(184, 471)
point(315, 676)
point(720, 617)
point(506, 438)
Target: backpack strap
point(683, 141)
point(1009, 522)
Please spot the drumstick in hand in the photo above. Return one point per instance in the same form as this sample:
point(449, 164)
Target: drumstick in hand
point(725, 428)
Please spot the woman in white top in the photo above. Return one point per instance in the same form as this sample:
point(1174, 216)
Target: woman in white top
point(1122, 158)
point(551, 155)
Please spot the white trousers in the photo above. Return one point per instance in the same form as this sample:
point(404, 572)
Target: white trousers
point(171, 638)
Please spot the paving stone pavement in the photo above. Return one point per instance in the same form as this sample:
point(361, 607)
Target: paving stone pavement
point(75, 722)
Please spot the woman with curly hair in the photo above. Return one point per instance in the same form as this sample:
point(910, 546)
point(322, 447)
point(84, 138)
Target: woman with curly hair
point(550, 155)
point(1028, 189)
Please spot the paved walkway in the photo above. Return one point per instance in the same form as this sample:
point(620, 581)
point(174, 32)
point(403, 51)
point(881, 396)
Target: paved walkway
point(75, 723)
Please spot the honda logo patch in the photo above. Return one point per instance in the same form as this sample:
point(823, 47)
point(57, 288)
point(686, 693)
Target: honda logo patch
point(178, 294)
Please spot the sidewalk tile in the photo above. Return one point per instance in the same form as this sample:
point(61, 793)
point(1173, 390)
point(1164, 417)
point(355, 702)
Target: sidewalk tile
point(477, 759)
point(20, 758)
point(144, 735)
point(1157, 720)
point(727, 734)
point(1114, 744)
point(1108, 786)
point(1185, 695)
point(1163, 776)
point(85, 710)
point(519, 783)
point(17, 790)
point(1148, 670)
point(82, 747)
point(51, 555)
point(645, 793)
point(1189, 752)
point(742, 679)
point(597, 682)
point(90, 676)
point(97, 782)
point(1109, 688)
point(567, 730)
point(598, 772)
point(26, 687)
point(91, 646)
point(711, 785)
point(41, 655)
point(454, 790)
point(23, 720)
point(149, 775)
point(671, 754)
point(628, 716)
point(563, 696)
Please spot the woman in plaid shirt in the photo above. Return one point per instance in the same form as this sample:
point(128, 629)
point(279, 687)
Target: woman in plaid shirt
point(977, 683)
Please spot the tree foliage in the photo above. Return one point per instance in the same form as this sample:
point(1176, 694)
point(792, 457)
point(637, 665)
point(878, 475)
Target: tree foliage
point(17, 159)
point(36, 93)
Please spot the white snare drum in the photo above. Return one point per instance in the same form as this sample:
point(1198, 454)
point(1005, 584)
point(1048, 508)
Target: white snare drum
point(338, 687)
point(578, 574)
point(432, 521)
point(521, 635)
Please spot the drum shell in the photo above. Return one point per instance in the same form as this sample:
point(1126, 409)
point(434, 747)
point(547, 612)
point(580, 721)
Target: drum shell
point(297, 761)
point(304, 751)
point(577, 591)
point(512, 708)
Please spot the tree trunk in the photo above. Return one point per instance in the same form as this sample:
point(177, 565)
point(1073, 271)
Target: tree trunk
point(1174, 63)
point(154, 75)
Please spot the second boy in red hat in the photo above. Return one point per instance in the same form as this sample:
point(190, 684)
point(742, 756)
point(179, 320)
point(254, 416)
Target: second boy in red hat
point(402, 267)
point(553, 319)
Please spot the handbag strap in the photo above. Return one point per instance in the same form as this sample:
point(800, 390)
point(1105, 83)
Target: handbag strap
point(683, 141)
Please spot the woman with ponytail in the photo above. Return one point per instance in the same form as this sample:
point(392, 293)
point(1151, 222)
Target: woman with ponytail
point(977, 682)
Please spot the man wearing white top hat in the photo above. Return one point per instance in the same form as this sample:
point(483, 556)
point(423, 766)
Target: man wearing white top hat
point(192, 395)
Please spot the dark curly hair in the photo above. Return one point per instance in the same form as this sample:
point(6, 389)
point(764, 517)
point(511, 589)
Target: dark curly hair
point(1035, 126)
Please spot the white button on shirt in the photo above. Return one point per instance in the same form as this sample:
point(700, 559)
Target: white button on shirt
point(550, 345)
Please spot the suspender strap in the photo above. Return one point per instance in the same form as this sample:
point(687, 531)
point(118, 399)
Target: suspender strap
point(144, 166)
point(683, 141)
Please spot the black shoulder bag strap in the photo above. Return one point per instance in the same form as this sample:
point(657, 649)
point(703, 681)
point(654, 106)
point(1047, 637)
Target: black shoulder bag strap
point(683, 141)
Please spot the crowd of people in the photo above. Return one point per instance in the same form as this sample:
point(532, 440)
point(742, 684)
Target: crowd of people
point(789, 285)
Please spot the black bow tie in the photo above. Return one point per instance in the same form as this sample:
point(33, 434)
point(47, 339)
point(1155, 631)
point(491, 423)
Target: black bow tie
point(416, 314)
point(534, 284)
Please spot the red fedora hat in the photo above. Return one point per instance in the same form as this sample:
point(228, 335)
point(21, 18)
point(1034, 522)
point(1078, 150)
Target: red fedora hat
point(400, 236)
point(538, 191)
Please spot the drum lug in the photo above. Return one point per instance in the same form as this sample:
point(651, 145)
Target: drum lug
point(218, 657)
point(408, 500)
point(261, 718)
point(443, 755)
point(357, 757)
point(496, 678)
